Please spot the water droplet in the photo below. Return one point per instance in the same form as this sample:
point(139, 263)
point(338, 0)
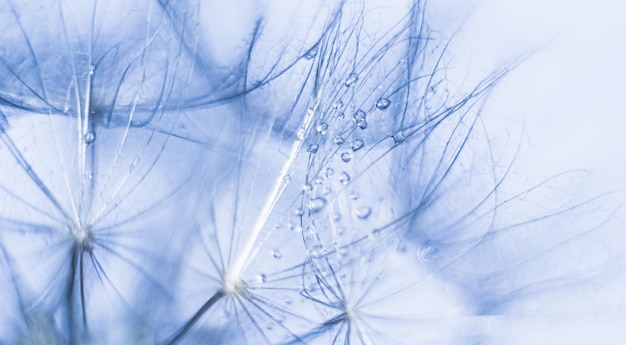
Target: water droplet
point(89, 137)
point(307, 188)
point(92, 69)
point(321, 128)
point(339, 140)
point(398, 138)
point(299, 211)
point(357, 145)
point(319, 180)
point(341, 231)
point(327, 191)
point(427, 254)
point(383, 103)
point(363, 212)
point(344, 178)
point(338, 105)
point(346, 157)
point(313, 148)
point(288, 300)
point(352, 78)
point(311, 54)
point(329, 172)
point(317, 251)
point(336, 217)
point(354, 195)
point(277, 254)
point(374, 234)
point(261, 278)
point(286, 179)
point(360, 119)
point(342, 252)
point(316, 204)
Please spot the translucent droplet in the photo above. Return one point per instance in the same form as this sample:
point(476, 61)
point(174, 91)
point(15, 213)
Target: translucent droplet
point(288, 300)
point(338, 105)
point(311, 54)
point(398, 138)
point(344, 178)
point(352, 78)
point(316, 204)
point(357, 145)
point(327, 191)
point(307, 188)
point(354, 196)
point(363, 212)
point(336, 217)
point(360, 119)
point(277, 254)
point(317, 251)
point(375, 234)
point(299, 211)
point(427, 254)
point(339, 140)
point(346, 157)
point(92, 69)
point(321, 128)
point(286, 179)
point(89, 137)
point(342, 252)
point(319, 180)
point(383, 103)
point(261, 278)
point(313, 148)
point(329, 172)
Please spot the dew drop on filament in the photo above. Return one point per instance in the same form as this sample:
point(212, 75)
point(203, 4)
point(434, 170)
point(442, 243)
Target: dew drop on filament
point(383, 103)
point(352, 79)
point(357, 145)
point(363, 212)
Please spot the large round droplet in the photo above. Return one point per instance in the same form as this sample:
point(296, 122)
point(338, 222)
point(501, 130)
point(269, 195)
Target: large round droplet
point(383, 103)
point(357, 145)
point(352, 79)
point(363, 212)
point(360, 119)
point(316, 204)
point(346, 157)
point(89, 137)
